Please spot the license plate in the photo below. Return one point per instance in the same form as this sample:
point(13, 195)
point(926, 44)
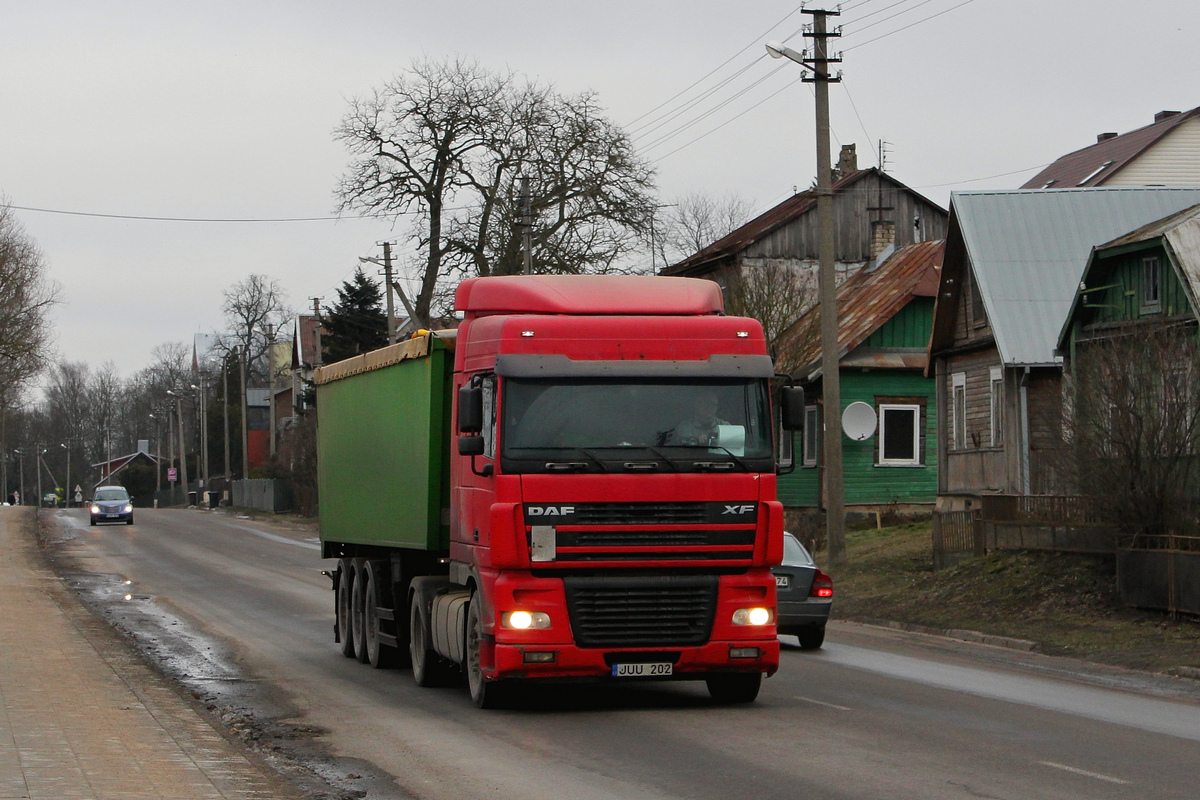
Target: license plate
point(110, 516)
point(782, 581)
point(641, 670)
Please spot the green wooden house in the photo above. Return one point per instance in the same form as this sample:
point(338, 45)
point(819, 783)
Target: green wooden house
point(885, 317)
point(1150, 276)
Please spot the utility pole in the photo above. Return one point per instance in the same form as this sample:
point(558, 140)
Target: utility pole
point(245, 434)
point(183, 473)
point(271, 382)
point(67, 488)
point(526, 225)
point(316, 358)
point(387, 279)
point(831, 390)
point(37, 467)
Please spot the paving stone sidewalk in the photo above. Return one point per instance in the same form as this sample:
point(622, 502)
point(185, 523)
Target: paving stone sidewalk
point(81, 716)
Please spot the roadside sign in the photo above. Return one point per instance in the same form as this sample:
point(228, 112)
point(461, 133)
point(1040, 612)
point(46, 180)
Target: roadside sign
point(78, 495)
point(172, 474)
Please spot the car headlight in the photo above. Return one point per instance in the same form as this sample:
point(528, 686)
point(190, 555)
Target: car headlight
point(753, 616)
point(129, 508)
point(524, 620)
point(95, 509)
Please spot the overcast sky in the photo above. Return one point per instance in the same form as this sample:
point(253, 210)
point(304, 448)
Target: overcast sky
point(225, 110)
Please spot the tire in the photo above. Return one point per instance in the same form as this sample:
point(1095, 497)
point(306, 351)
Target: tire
point(358, 611)
point(129, 521)
point(811, 638)
point(342, 605)
point(376, 593)
point(93, 522)
point(735, 688)
point(484, 693)
point(429, 668)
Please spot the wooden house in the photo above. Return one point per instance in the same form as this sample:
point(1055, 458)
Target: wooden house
point(885, 314)
point(872, 213)
point(1164, 153)
point(1011, 272)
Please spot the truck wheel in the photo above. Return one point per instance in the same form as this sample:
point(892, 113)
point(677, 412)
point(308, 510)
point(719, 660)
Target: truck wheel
point(735, 688)
point(341, 604)
point(811, 638)
point(484, 693)
point(429, 669)
point(358, 607)
point(377, 593)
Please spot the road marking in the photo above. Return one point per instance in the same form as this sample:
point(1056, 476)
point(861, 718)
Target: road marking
point(275, 538)
point(821, 703)
point(1077, 771)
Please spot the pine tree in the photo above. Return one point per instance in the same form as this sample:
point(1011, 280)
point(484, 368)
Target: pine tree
point(357, 322)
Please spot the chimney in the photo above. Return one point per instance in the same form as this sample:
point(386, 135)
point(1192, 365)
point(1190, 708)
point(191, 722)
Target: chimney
point(1104, 137)
point(847, 161)
point(144, 446)
point(1160, 116)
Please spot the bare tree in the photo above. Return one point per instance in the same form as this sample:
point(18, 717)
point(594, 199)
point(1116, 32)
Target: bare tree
point(1133, 426)
point(249, 307)
point(26, 296)
point(777, 296)
point(694, 221)
point(452, 140)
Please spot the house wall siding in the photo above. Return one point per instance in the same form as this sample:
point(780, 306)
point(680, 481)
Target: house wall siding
point(1173, 160)
point(909, 328)
point(1122, 301)
point(977, 466)
point(865, 483)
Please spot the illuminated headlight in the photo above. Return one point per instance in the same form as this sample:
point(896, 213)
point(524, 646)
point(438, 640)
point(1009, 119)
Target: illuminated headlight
point(753, 616)
point(129, 508)
point(523, 620)
point(95, 509)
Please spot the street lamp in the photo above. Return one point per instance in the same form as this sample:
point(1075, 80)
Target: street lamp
point(202, 413)
point(67, 488)
point(780, 50)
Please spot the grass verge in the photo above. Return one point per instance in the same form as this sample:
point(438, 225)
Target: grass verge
point(1066, 603)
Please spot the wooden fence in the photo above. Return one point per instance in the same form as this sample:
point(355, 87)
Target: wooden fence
point(1160, 572)
point(957, 536)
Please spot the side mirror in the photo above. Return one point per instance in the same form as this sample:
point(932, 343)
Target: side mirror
point(470, 445)
point(791, 400)
point(470, 412)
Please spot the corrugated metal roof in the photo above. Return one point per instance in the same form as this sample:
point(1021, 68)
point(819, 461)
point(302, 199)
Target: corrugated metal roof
point(1112, 154)
point(1028, 250)
point(869, 298)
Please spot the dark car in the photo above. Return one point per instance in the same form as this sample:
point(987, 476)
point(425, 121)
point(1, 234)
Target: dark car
point(804, 595)
point(112, 504)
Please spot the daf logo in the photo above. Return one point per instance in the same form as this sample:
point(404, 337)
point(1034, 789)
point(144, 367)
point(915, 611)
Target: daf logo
point(737, 510)
point(550, 511)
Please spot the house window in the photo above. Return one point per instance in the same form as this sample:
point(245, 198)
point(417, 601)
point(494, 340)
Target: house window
point(997, 398)
point(1151, 285)
point(899, 435)
point(812, 427)
point(958, 410)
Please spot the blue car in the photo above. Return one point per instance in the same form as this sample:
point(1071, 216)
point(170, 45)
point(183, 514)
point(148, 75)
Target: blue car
point(112, 504)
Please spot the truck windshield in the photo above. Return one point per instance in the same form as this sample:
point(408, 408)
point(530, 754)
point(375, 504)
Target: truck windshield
point(607, 425)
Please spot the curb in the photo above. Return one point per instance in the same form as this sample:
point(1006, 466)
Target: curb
point(961, 635)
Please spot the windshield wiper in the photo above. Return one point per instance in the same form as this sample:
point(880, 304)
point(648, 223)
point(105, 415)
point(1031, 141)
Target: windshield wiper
point(713, 464)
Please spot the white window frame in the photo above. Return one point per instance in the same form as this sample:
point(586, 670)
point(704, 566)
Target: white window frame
point(997, 405)
point(958, 418)
point(812, 435)
point(916, 443)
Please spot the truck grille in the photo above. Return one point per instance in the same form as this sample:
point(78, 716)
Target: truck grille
point(641, 514)
point(652, 611)
point(684, 538)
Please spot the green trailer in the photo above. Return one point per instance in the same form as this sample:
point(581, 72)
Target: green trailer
point(383, 433)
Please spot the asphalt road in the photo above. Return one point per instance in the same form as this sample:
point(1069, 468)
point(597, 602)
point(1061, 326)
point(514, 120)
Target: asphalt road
point(874, 714)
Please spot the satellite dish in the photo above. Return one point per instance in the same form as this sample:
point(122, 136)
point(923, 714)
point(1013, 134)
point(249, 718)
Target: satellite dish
point(858, 421)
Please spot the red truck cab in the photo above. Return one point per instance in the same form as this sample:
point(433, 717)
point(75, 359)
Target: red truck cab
point(613, 508)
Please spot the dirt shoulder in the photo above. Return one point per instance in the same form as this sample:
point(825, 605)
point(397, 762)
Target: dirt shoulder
point(1067, 604)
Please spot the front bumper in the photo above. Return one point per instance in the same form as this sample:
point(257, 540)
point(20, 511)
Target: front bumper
point(689, 663)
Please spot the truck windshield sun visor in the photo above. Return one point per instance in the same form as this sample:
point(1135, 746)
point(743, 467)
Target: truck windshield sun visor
point(557, 365)
point(635, 425)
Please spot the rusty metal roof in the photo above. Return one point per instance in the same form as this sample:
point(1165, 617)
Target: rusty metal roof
point(1096, 164)
point(868, 299)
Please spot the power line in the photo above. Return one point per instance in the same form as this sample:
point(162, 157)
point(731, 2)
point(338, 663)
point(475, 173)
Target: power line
point(986, 178)
point(906, 27)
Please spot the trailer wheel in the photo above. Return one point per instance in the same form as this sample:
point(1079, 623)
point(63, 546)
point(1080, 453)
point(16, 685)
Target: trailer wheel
point(358, 609)
point(429, 668)
point(377, 592)
point(735, 688)
point(484, 693)
point(341, 604)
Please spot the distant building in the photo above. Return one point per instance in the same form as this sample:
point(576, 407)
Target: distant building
point(1164, 153)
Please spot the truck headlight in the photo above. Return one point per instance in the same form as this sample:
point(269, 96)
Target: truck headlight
point(524, 620)
point(753, 616)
